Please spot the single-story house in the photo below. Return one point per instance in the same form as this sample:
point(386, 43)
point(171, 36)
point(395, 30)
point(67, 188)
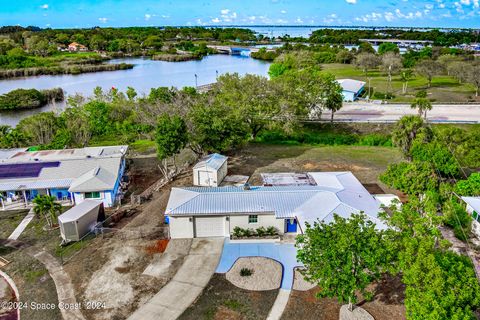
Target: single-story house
point(351, 89)
point(210, 170)
point(74, 46)
point(215, 212)
point(78, 221)
point(473, 208)
point(70, 175)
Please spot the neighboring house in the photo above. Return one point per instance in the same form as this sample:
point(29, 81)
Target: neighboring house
point(473, 208)
point(70, 175)
point(78, 221)
point(210, 170)
point(215, 212)
point(351, 89)
point(74, 47)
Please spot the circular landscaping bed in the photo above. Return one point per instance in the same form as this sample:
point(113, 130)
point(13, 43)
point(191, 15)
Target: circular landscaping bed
point(299, 283)
point(256, 274)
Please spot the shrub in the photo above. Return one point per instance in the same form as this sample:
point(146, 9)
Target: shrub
point(246, 272)
point(272, 231)
point(238, 232)
point(382, 95)
point(375, 139)
point(261, 231)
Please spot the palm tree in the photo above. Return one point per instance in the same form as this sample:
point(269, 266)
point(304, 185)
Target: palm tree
point(423, 105)
point(47, 207)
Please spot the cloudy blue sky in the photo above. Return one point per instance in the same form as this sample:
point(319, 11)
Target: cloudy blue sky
point(89, 13)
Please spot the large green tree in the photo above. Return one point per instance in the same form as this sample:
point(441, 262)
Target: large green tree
point(407, 130)
point(171, 137)
point(345, 256)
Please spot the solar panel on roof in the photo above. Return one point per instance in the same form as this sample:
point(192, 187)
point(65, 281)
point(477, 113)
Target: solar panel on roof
point(25, 170)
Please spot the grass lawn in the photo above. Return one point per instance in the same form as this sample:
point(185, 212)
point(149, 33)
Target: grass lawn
point(366, 162)
point(222, 300)
point(33, 282)
point(9, 220)
point(443, 89)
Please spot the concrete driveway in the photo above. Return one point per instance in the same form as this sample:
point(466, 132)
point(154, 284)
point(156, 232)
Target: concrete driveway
point(285, 253)
point(187, 284)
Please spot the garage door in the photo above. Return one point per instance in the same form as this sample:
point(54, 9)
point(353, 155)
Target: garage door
point(210, 227)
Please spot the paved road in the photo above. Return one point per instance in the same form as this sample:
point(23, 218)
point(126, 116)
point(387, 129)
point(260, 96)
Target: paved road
point(369, 112)
point(187, 284)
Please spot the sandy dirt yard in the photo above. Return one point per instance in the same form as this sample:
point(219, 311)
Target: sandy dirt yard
point(386, 305)
point(110, 269)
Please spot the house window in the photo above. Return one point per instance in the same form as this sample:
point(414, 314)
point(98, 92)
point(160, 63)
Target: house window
point(92, 195)
point(475, 216)
point(253, 219)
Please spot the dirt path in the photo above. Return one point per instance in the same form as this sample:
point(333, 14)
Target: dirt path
point(63, 284)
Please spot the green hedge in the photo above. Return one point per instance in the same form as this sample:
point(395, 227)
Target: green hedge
point(324, 138)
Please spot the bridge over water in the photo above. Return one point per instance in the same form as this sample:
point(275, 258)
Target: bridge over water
point(236, 50)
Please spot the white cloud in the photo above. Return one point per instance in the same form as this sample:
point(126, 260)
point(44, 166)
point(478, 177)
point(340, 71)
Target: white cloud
point(429, 6)
point(298, 20)
point(252, 18)
point(147, 16)
point(103, 20)
point(330, 18)
point(441, 5)
point(389, 16)
point(47, 25)
point(216, 20)
point(351, 1)
point(165, 16)
point(44, 6)
point(227, 15)
point(283, 11)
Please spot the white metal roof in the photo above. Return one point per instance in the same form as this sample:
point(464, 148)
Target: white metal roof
point(351, 85)
point(473, 202)
point(76, 167)
point(96, 179)
point(79, 211)
point(335, 192)
point(212, 161)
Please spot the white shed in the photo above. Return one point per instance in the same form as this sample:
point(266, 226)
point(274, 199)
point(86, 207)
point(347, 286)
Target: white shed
point(210, 170)
point(80, 220)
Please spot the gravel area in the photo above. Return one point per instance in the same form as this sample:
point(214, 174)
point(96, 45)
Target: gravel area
point(299, 283)
point(267, 274)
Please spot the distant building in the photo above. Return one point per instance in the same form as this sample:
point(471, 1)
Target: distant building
point(351, 89)
point(69, 175)
point(210, 170)
point(75, 47)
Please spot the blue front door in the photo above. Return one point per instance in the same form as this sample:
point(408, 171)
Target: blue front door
point(291, 225)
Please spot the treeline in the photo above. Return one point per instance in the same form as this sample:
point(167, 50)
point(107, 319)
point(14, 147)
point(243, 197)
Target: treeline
point(29, 98)
point(134, 40)
point(354, 36)
point(236, 110)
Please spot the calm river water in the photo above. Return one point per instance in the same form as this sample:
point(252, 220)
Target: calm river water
point(145, 75)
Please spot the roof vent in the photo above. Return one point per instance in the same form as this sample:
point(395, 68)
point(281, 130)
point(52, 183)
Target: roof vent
point(89, 156)
point(35, 159)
